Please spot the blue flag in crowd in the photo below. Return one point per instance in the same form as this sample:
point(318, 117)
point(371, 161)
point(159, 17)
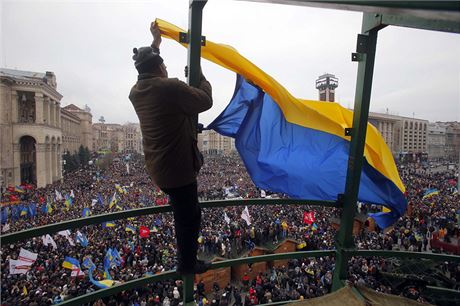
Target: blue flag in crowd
point(43, 208)
point(81, 239)
point(15, 212)
point(88, 264)
point(131, 245)
point(32, 210)
point(4, 215)
point(86, 212)
point(100, 199)
point(107, 263)
point(23, 210)
point(116, 258)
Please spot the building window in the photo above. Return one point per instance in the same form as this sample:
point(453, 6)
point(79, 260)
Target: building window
point(26, 107)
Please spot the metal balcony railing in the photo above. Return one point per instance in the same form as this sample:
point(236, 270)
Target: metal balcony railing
point(189, 279)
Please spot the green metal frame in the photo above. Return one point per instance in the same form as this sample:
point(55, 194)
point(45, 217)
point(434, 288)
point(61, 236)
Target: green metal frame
point(194, 57)
point(431, 15)
point(365, 55)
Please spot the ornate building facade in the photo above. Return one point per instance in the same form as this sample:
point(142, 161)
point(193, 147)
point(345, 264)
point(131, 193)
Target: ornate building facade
point(30, 128)
point(120, 138)
point(71, 138)
point(386, 124)
point(85, 128)
point(132, 138)
point(436, 141)
point(211, 142)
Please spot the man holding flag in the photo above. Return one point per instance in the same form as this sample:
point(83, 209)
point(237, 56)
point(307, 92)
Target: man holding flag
point(172, 159)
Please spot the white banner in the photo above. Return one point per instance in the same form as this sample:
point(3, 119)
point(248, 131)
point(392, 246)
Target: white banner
point(66, 234)
point(19, 266)
point(226, 218)
point(245, 216)
point(27, 256)
point(5, 228)
point(49, 240)
point(77, 272)
point(58, 195)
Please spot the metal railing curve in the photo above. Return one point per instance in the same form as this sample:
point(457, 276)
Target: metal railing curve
point(97, 219)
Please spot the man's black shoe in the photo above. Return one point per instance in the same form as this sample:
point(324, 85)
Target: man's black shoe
point(200, 267)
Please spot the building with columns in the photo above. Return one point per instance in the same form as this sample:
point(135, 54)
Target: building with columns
point(85, 128)
point(211, 142)
point(120, 138)
point(132, 138)
point(71, 134)
point(30, 128)
point(452, 140)
point(412, 133)
point(386, 124)
point(436, 140)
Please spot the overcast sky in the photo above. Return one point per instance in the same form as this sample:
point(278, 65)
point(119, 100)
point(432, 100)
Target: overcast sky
point(88, 45)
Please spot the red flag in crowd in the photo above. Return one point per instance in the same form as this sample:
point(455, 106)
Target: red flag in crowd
point(308, 217)
point(144, 231)
point(27, 186)
point(13, 198)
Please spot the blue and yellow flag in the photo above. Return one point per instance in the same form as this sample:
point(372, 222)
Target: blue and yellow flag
point(113, 201)
point(105, 283)
point(130, 228)
point(88, 264)
point(86, 212)
point(297, 146)
point(108, 224)
point(4, 215)
point(430, 192)
point(100, 199)
point(23, 210)
point(19, 189)
point(108, 259)
point(68, 201)
point(70, 263)
point(116, 258)
point(32, 209)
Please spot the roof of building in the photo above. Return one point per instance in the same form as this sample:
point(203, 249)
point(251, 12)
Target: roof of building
point(45, 80)
point(21, 74)
point(72, 107)
point(70, 114)
point(386, 116)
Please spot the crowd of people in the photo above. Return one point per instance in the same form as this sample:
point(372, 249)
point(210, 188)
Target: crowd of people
point(224, 233)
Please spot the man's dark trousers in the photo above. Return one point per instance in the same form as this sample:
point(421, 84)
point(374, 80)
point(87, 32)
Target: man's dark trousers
point(187, 218)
